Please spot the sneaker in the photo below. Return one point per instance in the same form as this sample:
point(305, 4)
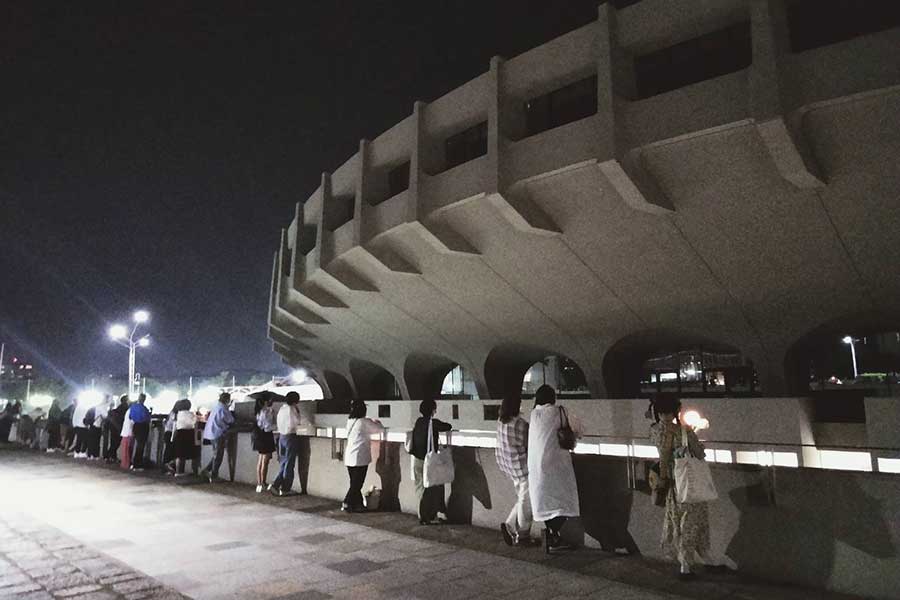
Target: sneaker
point(507, 536)
point(259, 489)
point(269, 487)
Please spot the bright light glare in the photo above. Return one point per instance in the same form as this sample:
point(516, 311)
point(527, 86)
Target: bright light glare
point(141, 316)
point(847, 339)
point(90, 398)
point(164, 401)
point(206, 397)
point(118, 332)
point(694, 420)
point(144, 342)
point(299, 375)
point(40, 400)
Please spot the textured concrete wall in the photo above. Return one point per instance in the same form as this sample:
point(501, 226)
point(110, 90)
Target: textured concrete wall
point(823, 529)
point(744, 212)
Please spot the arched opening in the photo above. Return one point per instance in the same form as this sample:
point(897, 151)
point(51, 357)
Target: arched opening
point(459, 384)
point(514, 369)
point(340, 388)
point(559, 372)
point(427, 376)
point(856, 352)
point(654, 361)
point(373, 382)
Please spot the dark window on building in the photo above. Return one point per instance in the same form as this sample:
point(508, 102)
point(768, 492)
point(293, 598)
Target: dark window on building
point(454, 411)
point(491, 412)
point(565, 105)
point(287, 256)
point(341, 212)
point(708, 56)
point(466, 145)
point(816, 23)
point(384, 411)
point(398, 179)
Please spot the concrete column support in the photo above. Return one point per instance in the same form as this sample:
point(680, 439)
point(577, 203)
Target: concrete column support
point(360, 212)
point(321, 257)
point(769, 107)
point(622, 166)
point(417, 144)
point(496, 180)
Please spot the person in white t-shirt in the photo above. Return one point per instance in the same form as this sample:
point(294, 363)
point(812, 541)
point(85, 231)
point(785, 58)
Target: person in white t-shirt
point(358, 454)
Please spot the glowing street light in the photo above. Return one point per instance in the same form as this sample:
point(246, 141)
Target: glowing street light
point(119, 334)
point(299, 376)
point(851, 342)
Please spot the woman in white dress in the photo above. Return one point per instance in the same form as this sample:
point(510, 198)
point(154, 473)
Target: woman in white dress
point(358, 454)
point(551, 475)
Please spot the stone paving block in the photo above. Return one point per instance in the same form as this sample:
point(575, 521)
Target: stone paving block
point(355, 566)
point(22, 588)
point(62, 581)
point(227, 545)
point(120, 577)
point(23, 595)
point(305, 595)
point(133, 585)
point(318, 538)
point(76, 591)
point(14, 579)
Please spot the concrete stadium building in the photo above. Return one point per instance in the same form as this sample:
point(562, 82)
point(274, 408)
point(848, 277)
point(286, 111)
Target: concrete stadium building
point(716, 177)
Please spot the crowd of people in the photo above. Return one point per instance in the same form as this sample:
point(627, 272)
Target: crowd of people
point(535, 454)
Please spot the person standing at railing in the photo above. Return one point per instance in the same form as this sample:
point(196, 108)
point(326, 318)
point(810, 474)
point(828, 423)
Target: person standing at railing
point(263, 439)
point(288, 421)
point(216, 431)
point(685, 533)
point(431, 500)
point(551, 475)
point(114, 423)
point(183, 444)
point(358, 454)
point(512, 458)
point(140, 431)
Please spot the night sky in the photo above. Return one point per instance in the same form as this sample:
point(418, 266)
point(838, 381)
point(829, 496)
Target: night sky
point(150, 152)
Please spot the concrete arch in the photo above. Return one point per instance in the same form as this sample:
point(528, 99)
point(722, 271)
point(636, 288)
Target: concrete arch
point(821, 351)
point(372, 381)
point(506, 365)
point(623, 362)
point(424, 374)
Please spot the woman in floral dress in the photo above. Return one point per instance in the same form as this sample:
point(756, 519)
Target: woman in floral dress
point(685, 534)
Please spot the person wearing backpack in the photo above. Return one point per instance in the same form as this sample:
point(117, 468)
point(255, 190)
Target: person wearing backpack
point(431, 500)
point(358, 454)
point(685, 534)
point(552, 487)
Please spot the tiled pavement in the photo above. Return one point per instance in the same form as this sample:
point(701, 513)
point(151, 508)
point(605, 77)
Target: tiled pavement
point(66, 524)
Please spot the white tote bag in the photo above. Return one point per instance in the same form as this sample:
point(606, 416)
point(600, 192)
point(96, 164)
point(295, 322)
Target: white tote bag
point(693, 480)
point(438, 468)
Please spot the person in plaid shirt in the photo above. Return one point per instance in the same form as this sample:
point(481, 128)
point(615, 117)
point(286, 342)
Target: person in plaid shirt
point(512, 458)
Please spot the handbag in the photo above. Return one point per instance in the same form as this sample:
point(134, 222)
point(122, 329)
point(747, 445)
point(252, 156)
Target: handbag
point(438, 468)
point(565, 435)
point(693, 479)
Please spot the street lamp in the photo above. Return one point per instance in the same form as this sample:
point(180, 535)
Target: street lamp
point(851, 342)
point(119, 334)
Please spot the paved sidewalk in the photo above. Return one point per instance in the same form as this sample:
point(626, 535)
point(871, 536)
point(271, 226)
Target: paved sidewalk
point(225, 541)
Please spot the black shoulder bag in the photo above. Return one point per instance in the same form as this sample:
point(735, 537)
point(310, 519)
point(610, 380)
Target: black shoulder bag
point(564, 434)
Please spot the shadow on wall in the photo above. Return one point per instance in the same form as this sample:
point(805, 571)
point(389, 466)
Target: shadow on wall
point(605, 502)
point(470, 483)
point(388, 468)
point(806, 525)
point(303, 459)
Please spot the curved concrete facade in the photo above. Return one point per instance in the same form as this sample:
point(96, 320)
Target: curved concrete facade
point(743, 212)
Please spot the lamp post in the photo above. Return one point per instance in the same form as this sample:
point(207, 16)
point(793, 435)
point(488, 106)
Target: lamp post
point(119, 334)
point(851, 342)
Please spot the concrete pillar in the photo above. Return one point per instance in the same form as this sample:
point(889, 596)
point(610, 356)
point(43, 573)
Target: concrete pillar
point(770, 105)
point(322, 248)
point(415, 161)
point(622, 165)
point(496, 181)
